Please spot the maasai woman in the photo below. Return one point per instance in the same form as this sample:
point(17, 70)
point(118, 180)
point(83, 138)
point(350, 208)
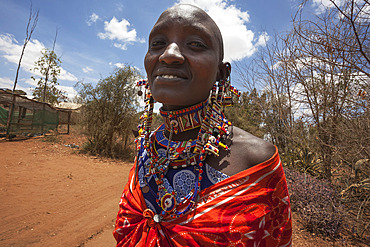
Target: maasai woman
point(198, 181)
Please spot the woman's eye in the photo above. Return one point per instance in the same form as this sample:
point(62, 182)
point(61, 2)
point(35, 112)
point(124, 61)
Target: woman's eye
point(197, 44)
point(157, 44)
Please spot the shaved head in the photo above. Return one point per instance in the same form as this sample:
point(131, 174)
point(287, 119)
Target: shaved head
point(190, 12)
point(185, 57)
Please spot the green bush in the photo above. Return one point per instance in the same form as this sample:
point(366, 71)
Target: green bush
point(109, 113)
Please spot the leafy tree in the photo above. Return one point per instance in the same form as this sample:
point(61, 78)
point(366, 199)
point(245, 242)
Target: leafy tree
point(246, 113)
point(48, 66)
point(109, 113)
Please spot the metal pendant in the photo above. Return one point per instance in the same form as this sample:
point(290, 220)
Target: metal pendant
point(157, 218)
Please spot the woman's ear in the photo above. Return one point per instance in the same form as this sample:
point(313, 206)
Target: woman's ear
point(224, 70)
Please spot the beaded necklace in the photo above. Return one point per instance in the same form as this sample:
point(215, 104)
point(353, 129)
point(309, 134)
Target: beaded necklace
point(180, 152)
point(184, 119)
point(214, 130)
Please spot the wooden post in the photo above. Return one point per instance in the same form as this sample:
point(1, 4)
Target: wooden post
point(69, 120)
point(19, 114)
point(10, 115)
point(57, 129)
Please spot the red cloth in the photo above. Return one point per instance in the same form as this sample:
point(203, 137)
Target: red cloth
point(251, 208)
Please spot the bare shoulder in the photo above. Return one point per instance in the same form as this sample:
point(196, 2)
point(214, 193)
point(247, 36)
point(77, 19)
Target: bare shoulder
point(249, 149)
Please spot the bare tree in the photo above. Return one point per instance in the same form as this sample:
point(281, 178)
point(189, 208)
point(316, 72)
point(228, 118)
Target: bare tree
point(269, 72)
point(352, 17)
point(316, 79)
point(31, 25)
point(356, 14)
point(317, 85)
point(331, 65)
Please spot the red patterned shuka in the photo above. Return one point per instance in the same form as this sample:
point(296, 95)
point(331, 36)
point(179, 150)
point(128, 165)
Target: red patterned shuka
point(251, 208)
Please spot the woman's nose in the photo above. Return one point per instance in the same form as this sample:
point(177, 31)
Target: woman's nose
point(172, 54)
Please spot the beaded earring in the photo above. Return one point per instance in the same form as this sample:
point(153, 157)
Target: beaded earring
point(214, 128)
point(147, 116)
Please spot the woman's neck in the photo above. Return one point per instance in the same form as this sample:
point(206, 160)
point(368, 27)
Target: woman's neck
point(184, 123)
point(183, 136)
point(173, 107)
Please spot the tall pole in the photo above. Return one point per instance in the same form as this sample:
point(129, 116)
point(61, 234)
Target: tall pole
point(29, 30)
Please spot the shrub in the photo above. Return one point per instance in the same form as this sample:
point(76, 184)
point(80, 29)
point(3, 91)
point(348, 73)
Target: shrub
point(316, 202)
point(109, 114)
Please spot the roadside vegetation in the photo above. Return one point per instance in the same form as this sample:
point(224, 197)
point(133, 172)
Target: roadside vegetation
point(109, 113)
point(308, 93)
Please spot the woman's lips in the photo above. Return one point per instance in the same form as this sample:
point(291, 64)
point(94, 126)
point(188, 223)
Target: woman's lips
point(169, 77)
point(171, 74)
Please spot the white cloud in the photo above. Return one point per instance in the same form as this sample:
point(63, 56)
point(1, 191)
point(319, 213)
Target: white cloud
point(66, 76)
point(6, 82)
point(11, 51)
point(239, 42)
point(119, 65)
point(361, 8)
point(119, 31)
point(120, 46)
point(30, 82)
point(262, 39)
point(119, 7)
point(71, 92)
point(322, 5)
point(92, 19)
point(87, 69)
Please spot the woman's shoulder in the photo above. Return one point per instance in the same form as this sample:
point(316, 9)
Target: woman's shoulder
point(249, 149)
point(246, 151)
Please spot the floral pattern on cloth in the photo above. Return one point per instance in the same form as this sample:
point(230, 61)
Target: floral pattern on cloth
point(251, 208)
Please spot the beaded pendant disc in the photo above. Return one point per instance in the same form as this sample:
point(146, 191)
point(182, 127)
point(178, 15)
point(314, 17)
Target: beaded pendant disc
point(168, 202)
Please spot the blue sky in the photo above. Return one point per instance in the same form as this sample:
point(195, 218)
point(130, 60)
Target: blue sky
point(95, 36)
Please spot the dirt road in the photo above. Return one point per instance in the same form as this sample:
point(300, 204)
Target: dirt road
point(52, 197)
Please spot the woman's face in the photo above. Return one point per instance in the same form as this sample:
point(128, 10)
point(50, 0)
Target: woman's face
point(183, 59)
